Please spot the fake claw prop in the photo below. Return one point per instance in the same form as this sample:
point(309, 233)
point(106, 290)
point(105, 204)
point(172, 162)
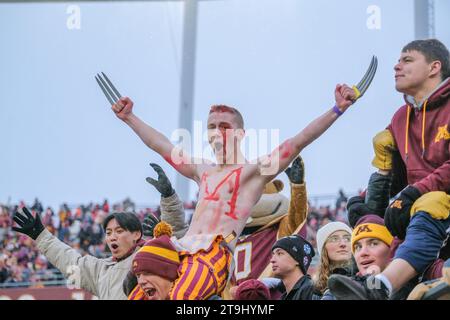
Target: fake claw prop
point(365, 82)
point(108, 88)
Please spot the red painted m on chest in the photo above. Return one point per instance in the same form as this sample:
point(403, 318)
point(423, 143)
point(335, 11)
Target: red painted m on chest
point(233, 183)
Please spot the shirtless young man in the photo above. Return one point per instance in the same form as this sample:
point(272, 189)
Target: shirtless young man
point(227, 189)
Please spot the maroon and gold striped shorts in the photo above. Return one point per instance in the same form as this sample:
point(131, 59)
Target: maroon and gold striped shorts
point(203, 274)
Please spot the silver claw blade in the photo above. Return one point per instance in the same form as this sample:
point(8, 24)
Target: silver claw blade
point(105, 85)
point(365, 82)
point(366, 74)
point(104, 91)
point(112, 86)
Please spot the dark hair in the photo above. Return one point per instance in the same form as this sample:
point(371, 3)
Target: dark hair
point(127, 220)
point(433, 50)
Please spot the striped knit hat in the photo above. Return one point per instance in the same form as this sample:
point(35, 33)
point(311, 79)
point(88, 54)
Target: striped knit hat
point(158, 256)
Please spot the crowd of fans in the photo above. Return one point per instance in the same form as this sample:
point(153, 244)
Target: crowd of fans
point(81, 228)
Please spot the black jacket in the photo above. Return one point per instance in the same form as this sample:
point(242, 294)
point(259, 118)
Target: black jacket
point(303, 290)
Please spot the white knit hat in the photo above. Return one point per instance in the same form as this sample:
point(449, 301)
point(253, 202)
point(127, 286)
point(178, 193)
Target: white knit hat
point(327, 230)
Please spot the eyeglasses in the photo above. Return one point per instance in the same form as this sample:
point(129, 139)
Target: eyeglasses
point(336, 239)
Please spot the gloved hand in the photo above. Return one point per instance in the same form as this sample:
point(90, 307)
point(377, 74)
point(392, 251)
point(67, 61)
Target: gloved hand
point(383, 146)
point(29, 225)
point(356, 209)
point(377, 194)
point(296, 172)
point(376, 199)
point(149, 224)
point(398, 213)
point(435, 203)
point(129, 283)
point(163, 184)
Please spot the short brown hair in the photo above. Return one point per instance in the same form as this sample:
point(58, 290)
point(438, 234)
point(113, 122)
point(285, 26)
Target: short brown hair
point(433, 50)
point(234, 111)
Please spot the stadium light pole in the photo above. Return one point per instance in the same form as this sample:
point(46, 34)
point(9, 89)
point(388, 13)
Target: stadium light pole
point(187, 88)
point(424, 19)
point(187, 80)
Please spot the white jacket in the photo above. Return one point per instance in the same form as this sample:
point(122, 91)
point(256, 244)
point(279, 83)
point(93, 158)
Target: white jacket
point(102, 277)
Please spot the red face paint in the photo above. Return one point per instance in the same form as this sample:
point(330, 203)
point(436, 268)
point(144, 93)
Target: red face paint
point(224, 147)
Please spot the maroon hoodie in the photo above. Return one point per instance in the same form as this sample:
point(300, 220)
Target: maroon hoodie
point(425, 145)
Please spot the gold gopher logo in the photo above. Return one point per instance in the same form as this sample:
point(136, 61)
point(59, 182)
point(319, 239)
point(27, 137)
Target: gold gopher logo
point(442, 134)
point(135, 264)
point(397, 204)
point(363, 228)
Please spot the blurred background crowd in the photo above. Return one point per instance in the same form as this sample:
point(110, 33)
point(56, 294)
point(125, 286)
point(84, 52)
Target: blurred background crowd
point(80, 226)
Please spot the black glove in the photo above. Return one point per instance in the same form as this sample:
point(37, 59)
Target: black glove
point(375, 201)
point(129, 283)
point(149, 224)
point(296, 172)
point(398, 213)
point(377, 194)
point(29, 225)
point(163, 184)
point(356, 209)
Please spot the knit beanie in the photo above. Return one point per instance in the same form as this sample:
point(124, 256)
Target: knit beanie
point(299, 249)
point(252, 289)
point(158, 256)
point(327, 230)
point(371, 226)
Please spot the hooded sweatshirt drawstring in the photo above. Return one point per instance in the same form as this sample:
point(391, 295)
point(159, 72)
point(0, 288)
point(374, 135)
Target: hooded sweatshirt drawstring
point(423, 129)
point(407, 131)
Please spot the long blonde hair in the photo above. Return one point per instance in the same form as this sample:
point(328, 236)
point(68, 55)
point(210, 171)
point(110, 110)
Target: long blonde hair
point(326, 266)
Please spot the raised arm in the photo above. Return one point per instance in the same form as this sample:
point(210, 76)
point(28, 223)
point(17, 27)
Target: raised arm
point(282, 156)
point(298, 207)
point(155, 140)
point(344, 96)
point(85, 271)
